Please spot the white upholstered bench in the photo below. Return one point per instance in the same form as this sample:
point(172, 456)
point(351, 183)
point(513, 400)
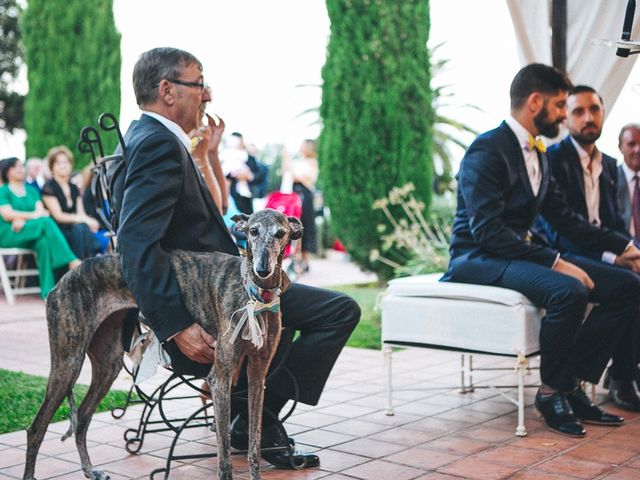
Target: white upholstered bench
point(419, 311)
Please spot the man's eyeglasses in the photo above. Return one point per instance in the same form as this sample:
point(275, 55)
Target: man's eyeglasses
point(201, 86)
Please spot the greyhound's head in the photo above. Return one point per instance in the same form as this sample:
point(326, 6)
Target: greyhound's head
point(268, 232)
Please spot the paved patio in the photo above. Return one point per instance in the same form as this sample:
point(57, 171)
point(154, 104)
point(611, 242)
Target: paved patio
point(436, 432)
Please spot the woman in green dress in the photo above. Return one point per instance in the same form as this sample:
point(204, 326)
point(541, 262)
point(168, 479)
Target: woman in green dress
point(24, 223)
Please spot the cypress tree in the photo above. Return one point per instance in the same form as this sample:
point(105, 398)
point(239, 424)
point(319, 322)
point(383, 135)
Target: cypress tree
point(11, 103)
point(72, 50)
point(376, 113)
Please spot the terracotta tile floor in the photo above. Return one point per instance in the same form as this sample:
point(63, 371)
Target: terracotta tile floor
point(436, 433)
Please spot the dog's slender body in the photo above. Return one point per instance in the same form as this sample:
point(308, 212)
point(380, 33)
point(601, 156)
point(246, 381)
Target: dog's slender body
point(85, 314)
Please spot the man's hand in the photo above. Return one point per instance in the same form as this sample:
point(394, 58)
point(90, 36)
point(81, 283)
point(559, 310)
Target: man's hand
point(196, 344)
point(574, 271)
point(629, 259)
point(216, 132)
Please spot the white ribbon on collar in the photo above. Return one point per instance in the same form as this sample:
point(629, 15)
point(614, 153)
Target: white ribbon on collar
point(253, 323)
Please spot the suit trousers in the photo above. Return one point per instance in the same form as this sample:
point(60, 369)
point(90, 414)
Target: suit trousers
point(324, 320)
point(573, 348)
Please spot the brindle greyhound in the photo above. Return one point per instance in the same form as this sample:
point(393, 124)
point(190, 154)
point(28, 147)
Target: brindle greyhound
point(85, 315)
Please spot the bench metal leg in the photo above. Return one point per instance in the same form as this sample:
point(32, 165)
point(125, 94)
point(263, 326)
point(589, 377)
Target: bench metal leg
point(466, 374)
point(522, 368)
point(387, 352)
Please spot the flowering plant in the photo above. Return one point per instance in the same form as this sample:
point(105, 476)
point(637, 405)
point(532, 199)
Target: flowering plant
point(411, 245)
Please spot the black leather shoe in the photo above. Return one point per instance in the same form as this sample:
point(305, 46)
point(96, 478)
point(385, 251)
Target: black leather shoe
point(585, 410)
point(624, 395)
point(274, 437)
point(558, 415)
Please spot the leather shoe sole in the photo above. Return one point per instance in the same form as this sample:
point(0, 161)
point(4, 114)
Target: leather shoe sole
point(624, 396)
point(587, 412)
point(277, 448)
point(558, 416)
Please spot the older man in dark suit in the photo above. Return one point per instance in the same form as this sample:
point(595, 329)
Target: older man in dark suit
point(165, 205)
point(588, 180)
point(629, 178)
point(504, 182)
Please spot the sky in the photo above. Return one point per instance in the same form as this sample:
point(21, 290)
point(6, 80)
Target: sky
point(257, 53)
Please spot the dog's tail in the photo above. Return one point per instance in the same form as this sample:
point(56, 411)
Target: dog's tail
point(73, 417)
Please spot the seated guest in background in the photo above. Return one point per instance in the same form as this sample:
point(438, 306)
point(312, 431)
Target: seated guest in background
point(503, 184)
point(35, 173)
point(629, 179)
point(587, 178)
point(84, 184)
point(63, 200)
point(24, 223)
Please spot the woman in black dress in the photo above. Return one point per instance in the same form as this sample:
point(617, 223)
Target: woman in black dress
point(64, 201)
point(304, 170)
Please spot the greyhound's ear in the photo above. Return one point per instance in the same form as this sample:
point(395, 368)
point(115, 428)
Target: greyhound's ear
point(285, 283)
point(296, 228)
point(241, 221)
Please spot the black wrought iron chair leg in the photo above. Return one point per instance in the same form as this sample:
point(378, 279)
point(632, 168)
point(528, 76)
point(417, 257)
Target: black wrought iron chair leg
point(149, 404)
point(119, 412)
point(170, 455)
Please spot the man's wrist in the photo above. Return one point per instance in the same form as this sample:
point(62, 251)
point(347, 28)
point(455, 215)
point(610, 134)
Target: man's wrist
point(609, 257)
point(629, 246)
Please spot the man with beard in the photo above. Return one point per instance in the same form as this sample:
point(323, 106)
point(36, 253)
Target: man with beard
point(504, 182)
point(587, 178)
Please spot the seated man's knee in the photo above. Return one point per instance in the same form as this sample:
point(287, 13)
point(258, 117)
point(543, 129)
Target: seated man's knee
point(571, 297)
point(348, 311)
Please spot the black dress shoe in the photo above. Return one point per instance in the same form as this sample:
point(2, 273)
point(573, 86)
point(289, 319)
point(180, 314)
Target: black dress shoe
point(624, 395)
point(275, 447)
point(585, 410)
point(558, 415)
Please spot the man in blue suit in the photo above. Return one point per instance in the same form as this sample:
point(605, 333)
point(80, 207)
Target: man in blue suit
point(588, 180)
point(504, 182)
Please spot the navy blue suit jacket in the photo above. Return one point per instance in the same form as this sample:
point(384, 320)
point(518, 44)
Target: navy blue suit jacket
point(564, 162)
point(497, 208)
point(624, 199)
point(164, 205)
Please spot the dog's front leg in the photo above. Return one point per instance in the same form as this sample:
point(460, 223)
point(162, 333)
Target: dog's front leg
point(256, 373)
point(257, 369)
point(220, 385)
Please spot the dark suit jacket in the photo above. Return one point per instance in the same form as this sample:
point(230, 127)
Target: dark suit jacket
point(496, 208)
point(564, 162)
point(165, 205)
point(624, 198)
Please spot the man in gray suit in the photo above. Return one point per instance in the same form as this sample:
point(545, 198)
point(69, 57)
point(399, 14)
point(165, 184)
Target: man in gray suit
point(629, 144)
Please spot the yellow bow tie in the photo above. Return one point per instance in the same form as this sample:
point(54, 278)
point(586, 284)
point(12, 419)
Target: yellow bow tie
point(537, 143)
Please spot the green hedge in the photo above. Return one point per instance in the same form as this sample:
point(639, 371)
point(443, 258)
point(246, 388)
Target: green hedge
point(72, 50)
point(376, 113)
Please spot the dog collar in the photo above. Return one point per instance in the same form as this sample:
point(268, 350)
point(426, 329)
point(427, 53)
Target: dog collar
point(260, 295)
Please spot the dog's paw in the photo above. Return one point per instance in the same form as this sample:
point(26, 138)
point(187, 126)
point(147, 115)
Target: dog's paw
point(96, 474)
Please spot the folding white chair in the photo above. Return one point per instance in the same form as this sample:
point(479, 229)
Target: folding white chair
point(13, 281)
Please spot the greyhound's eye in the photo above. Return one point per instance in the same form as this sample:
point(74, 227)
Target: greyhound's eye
point(253, 231)
point(280, 233)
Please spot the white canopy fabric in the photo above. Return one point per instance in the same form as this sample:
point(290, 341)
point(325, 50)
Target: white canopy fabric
point(587, 64)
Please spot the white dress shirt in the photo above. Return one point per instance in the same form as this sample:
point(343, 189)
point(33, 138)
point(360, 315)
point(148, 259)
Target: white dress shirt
point(173, 127)
point(591, 170)
point(531, 160)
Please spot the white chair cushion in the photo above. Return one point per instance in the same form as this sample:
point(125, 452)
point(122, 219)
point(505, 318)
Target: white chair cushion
point(419, 310)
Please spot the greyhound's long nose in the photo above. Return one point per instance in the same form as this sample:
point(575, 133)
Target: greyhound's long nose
point(262, 272)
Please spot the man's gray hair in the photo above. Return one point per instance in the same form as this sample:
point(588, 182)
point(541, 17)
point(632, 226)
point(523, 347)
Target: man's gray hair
point(156, 64)
point(628, 126)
